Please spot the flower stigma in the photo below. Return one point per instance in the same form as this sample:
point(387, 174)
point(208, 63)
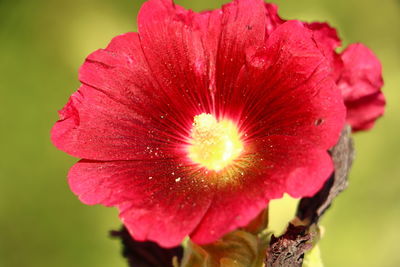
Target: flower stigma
point(214, 145)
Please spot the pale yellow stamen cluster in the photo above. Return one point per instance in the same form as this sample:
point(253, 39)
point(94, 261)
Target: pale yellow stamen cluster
point(214, 144)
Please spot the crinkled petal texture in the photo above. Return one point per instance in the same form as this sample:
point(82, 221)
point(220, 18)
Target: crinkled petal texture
point(131, 119)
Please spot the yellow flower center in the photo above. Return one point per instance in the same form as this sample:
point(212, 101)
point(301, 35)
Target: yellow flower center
point(214, 144)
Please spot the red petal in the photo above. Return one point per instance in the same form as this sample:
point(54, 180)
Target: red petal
point(273, 19)
point(229, 32)
point(326, 37)
point(286, 89)
point(361, 83)
point(96, 126)
point(120, 112)
point(175, 54)
point(327, 41)
point(244, 26)
point(157, 200)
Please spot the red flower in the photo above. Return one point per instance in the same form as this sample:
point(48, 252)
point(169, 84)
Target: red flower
point(360, 82)
point(193, 124)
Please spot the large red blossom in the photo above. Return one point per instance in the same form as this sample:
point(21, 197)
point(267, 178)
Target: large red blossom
point(133, 117)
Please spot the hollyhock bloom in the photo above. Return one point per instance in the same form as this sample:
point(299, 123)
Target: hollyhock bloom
point(361, 82)
point(190, 126)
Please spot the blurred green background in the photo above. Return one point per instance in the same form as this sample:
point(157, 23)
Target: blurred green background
point(42, 45)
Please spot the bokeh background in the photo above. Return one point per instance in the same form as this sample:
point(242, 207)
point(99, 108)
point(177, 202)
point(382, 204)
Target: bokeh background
point(42, 45)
